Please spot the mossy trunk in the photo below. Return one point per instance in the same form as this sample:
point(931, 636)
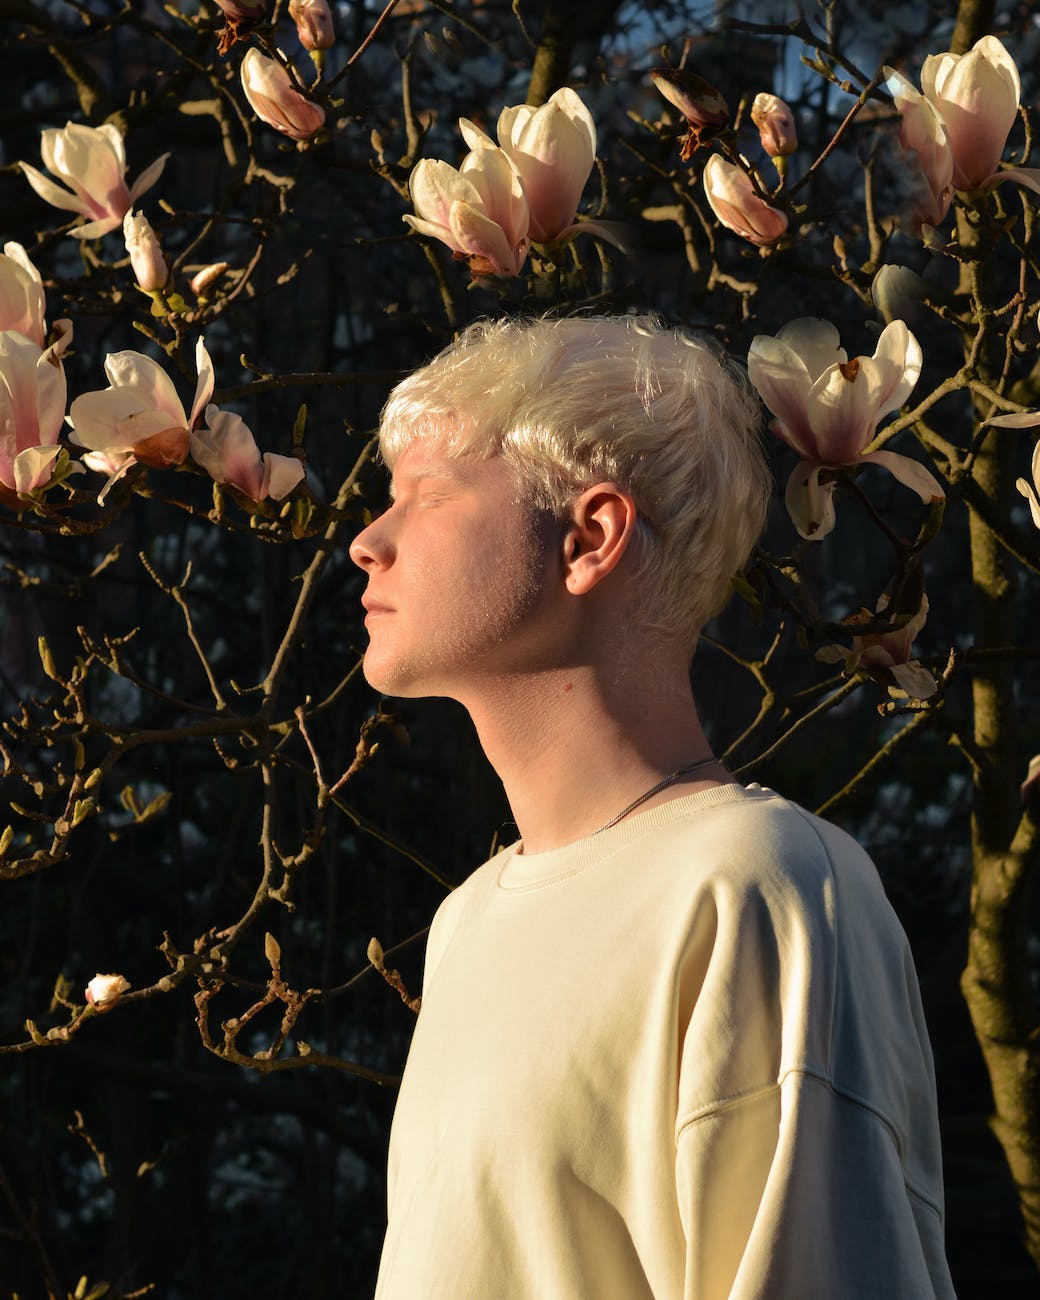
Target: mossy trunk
point(1005, 842)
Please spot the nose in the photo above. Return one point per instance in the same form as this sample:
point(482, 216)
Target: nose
point(370, 549)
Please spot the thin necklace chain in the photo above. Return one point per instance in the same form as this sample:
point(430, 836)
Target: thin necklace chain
point(661, 785)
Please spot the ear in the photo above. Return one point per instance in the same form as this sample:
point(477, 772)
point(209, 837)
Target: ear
point(597, 535)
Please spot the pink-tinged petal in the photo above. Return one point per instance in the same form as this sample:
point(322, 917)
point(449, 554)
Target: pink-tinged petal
point(1027, 176)
point(977, 95)
point(434, 187)
point(915, 680)
point(553, 150)
point(120, 472)
point(51, 397)
point(911, 473)
point(732, 198)
point(810, 504)
point(107, 462)
point(783, 382)
point(614, 232)
point(148, 178)
point(928, 153)
point(511, 122)
point(22, 303)
point(32, 467)
point(89, 160)
point(1016, 420)
point(227, 451)
point(433, 230)
point(475, 137)
point(275, 100)
point(478, 236)
point(115, 419)
point(95, 229)
point(206, 381)
point(281, 474)
point(134, 370)
point(501, 193)
point(816, 341)
point(114, 137)
point(898, 360)
point(53, 194)
point(843, 410)
point(20, 376)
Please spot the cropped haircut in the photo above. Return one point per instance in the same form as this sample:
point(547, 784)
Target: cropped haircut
point(573, 402)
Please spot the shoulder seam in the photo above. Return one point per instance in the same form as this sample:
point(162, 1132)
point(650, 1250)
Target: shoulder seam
point(813, 1075)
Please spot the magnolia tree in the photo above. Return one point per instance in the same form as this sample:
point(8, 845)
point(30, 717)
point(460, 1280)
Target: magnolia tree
point(233, 227)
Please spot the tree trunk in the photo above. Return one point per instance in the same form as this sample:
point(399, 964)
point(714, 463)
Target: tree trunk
point(1005, 841)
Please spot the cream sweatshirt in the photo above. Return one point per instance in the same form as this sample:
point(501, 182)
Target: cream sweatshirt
point(682, 1058)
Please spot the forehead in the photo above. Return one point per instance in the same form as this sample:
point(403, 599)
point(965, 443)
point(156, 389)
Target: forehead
point(423, 460)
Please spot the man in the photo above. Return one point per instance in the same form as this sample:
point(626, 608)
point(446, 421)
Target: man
point(671, 1042)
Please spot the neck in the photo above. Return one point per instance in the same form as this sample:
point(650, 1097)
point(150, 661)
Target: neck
point(574, 748)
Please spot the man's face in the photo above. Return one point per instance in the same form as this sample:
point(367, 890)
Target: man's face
point(458, 577)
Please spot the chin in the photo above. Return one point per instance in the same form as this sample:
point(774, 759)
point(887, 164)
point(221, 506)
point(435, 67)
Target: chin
point(394, 679)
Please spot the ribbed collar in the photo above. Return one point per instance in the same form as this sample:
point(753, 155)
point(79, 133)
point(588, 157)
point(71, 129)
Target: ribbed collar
point(520, 871)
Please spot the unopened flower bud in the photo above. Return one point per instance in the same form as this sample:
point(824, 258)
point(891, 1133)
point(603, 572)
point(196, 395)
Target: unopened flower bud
point(776, 127)
point(146, 257)
point(242, 10)
point(898, 293)
point(202, 280)
point(105, 990)
point(313, 19)
point(700, 103)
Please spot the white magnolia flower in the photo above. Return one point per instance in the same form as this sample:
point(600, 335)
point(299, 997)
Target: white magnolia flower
point(91, 160)
point(828, 408)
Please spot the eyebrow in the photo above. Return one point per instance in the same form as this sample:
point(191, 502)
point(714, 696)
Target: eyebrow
point(421, 471)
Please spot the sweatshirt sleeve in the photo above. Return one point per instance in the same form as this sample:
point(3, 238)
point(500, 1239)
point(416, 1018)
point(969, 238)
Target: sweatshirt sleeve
point(807, 1154)
point(798, 1191)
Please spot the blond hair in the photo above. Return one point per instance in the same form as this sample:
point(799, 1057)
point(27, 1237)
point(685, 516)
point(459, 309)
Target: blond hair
point(573, 402)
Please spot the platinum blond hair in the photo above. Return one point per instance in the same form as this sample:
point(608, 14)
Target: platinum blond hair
point(573, 402)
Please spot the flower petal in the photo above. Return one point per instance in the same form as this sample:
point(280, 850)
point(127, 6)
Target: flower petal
point(810, 504)
point(911, 473)
point(779, 373)
point(147, 178)
point(32, 467)
point(55, 195)
point(281, 474)
point(915, 680)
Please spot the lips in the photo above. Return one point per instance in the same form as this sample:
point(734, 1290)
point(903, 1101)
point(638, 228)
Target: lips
point(374, 606)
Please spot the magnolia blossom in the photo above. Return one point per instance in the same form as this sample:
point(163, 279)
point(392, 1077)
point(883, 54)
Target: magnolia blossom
point(92, 163)
point(828, 408)
point(701, 104)
point(965, 108)
point(105, 990)
point(139, 417)
point(227, 451)
point(887, 652)
point(776, 126)
point(733, 200)
point(276, 101)
point(552, 149)
point(146, 256)
point(22, 303)
point(479, 211)
point(32, 407)
point(313, 19)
